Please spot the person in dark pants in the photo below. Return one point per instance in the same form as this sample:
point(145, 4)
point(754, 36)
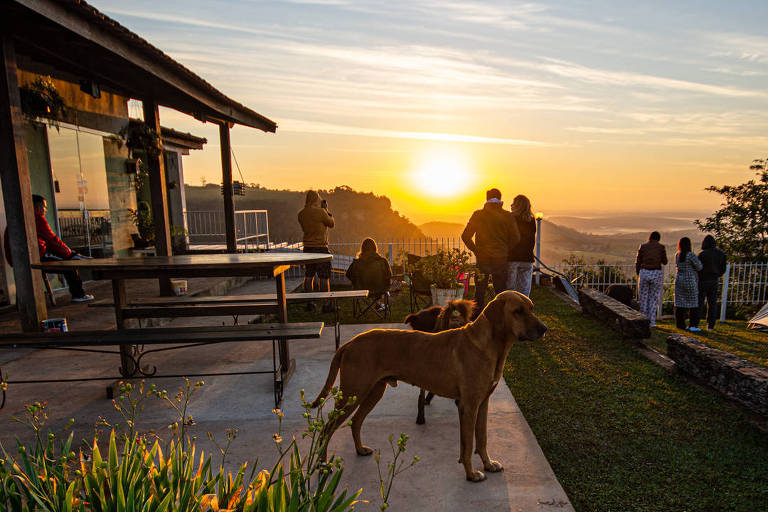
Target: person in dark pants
point(52, 248)
point(489, 234)
point(687, 286)
point(713, 266)
point(315, 220)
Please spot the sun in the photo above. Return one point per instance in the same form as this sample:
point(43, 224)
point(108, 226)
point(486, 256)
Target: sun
point(442, 173)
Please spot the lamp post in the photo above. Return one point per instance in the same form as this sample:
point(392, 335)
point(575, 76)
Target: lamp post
point(539, 216)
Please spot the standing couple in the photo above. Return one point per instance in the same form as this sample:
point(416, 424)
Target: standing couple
point(502, 242)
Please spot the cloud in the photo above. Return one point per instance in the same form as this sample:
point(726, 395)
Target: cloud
point(297, 125)
point(631, 79)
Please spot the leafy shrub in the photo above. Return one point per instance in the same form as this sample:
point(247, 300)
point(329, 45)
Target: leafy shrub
point(443, 268)
point(141, 476)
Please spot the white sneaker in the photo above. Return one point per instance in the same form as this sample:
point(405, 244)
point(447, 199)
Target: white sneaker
point(84, 298)
point(694, 329)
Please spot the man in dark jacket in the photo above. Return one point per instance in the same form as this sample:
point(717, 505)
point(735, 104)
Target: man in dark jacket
point(489, 234)
point(713, 261)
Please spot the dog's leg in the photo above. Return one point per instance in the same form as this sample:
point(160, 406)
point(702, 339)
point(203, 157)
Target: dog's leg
point(430, 396)
point(467, 420)
point(366, 406)
point(420, 415)
point(481, 439)
point(331, 426)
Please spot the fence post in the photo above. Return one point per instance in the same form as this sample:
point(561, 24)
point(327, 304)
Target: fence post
point(391, 251)
point(724, 295)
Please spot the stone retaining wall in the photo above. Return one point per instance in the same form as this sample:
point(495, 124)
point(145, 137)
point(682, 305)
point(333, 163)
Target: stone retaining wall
point(733, 376)
point(625, 320)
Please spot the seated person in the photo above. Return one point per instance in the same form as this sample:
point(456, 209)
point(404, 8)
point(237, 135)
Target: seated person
point(370, 271)
point(53, 249)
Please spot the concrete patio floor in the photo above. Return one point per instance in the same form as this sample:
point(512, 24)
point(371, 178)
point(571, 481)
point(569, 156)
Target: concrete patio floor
point(245, 402)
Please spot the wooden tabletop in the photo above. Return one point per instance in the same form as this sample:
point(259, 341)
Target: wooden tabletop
point(188, 265)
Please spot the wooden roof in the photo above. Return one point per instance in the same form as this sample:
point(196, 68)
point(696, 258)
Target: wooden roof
point(75, 37)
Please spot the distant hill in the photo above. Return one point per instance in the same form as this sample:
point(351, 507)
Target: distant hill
point(619, 224)
point(357, 214)
point(558, 242)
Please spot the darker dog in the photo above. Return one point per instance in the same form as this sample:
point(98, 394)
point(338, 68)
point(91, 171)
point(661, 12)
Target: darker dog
point(469, 368)
point(437, 319)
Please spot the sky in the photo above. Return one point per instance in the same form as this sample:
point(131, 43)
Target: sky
point(586, 107)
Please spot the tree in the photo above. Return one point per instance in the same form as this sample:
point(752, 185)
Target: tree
point(741, 224)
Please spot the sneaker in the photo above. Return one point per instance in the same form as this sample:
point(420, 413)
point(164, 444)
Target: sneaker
point(710, 329)
point(84, 298)
point(694, 329)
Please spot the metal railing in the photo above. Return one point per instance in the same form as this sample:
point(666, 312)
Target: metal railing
point(742, 284)
point(88, 232)
point(208, 228)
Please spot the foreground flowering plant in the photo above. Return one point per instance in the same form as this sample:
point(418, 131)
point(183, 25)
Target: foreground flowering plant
point(136, 473)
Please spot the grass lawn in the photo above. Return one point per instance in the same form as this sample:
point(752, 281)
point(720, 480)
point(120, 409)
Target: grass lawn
point(621, 433)
point(731, 336)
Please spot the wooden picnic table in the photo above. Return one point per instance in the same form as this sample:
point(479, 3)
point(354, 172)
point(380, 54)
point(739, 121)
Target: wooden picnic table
point(118, 270)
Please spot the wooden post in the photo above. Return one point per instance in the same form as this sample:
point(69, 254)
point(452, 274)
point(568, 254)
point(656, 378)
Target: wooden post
point(158, 190)
point(226, 187)
point(724, 294)
point(17, 194)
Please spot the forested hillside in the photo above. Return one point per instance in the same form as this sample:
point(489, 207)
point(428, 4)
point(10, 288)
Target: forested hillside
point(357, 214)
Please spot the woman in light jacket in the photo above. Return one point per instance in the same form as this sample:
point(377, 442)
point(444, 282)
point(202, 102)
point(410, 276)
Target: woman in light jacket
point(520, 256)
point(687, 285)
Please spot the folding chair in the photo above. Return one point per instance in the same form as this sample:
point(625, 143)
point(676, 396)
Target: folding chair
point(378, 286)
point(420, 292)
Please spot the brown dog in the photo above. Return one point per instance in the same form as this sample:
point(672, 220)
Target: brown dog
point(455, 314)
point(471, 367)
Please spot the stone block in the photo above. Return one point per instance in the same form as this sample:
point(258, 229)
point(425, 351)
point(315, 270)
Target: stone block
point(621, 318)
point(733, 376)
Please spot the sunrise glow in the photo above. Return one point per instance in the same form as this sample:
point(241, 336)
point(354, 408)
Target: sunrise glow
point(442, 173)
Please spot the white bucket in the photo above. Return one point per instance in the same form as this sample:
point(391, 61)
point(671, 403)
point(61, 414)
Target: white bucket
point(179, 286)
point(442, 296)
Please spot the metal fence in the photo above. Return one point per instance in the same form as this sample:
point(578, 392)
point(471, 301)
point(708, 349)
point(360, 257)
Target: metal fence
point(88, 232)
point(742, 284)
point(208, 228)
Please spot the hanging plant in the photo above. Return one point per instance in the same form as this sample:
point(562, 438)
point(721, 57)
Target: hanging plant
point(138, 136)
point(41, 99)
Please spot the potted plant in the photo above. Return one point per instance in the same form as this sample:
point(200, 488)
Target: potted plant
point(442, 270)
point(41, 99)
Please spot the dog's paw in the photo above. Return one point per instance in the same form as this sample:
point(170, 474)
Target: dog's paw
point(493, 466)
point(364, 450)
point(476, 476)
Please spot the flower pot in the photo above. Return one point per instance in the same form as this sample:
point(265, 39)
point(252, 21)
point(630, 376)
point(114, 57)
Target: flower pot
point(442, 296)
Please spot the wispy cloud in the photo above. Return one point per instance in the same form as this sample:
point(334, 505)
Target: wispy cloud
point(297, 125)
point(631, 79)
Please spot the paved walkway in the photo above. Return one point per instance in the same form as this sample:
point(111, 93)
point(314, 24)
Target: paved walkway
point(245, 402)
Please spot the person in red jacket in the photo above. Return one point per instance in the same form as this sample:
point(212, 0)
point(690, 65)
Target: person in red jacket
point(52, 248)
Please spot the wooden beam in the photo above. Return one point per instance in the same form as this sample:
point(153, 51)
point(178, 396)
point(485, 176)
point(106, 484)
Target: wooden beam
point(17, 195)
point(226, 187)
point(159, 193)
point(181, 87)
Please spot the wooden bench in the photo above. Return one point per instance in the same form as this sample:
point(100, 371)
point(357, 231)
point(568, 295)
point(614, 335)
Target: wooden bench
point(177, 337)
point(235, 305)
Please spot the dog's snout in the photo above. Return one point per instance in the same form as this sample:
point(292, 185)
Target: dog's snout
point(542, 329)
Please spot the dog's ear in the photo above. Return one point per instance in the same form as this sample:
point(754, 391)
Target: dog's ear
point(494, 312)
point(465, 307)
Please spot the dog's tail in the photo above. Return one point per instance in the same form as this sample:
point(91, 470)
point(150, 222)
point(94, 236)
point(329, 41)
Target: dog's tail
point(332, 371)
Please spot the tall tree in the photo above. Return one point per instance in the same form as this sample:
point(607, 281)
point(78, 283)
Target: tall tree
point(741, 223)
